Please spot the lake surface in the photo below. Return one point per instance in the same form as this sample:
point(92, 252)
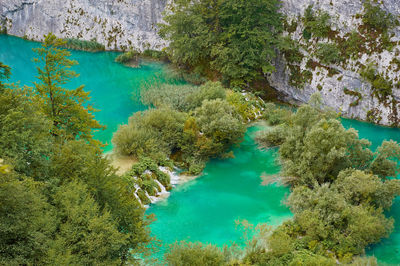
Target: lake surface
point(204, 209)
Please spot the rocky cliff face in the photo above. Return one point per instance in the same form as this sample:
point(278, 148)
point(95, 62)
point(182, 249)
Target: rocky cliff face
point(343, 84)
point(118, 24)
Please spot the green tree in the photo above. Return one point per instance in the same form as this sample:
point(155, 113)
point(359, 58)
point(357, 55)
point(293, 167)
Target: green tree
point(24, 134)
point(234, 39)
point(85, 234)
point(68, 109)
point(27, 221)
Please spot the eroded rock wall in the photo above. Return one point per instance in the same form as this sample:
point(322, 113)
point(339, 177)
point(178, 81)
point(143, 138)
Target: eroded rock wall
point(360, 101)
point(118, 24)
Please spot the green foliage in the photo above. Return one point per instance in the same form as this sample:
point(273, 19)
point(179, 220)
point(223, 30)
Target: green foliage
point(190, 125)
point(62, 203)
point(275, 115)
point(76, 44)
point(220, 125)
point(127, 57)
point(151, 132)
point(5, 73)
point(328, 53)
point(26, 221)
point(377, 18)
point(271, 138)
point(246, 104)
point(316, 25)
point(340, 190)
point(67, 109)
point(290, 49)
point(195, 254)
point(158, 55)
point(86, 235)
point(184, 98)
point(210, 36)
point(381, 86)
point(24, 132)
point(353, 45)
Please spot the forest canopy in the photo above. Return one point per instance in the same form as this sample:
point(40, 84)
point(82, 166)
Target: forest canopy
point(233, 40)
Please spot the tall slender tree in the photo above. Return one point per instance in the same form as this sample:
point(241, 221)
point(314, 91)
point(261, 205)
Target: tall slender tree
point(68, 109)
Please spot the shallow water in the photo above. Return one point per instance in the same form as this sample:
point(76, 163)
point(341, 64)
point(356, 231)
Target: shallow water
point(114, 88)
point(204, 209)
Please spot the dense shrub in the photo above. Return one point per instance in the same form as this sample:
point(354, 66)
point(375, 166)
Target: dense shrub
point(190, 125)
point(328, 53)
point(194, 254)
point(76, 44)
point(377, 18)
point(316, 24)
point(127, 57)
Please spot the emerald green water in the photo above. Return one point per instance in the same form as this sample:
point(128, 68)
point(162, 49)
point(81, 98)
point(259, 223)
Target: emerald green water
point(112, 85)
point(204, 209)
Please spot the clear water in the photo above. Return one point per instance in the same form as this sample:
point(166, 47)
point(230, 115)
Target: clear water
point(114, 88)
point(204, 209)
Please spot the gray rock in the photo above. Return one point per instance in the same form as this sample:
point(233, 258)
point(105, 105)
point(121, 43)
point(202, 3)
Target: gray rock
point(118, 24)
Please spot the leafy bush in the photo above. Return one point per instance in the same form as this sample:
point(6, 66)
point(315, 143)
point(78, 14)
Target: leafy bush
point(290, 49)
point(275, 115)
point(127, 57)
point(328, 53)
point(190, 125)
point(377, 18)
point(382, 87)
point(194, 254)
point(159, 55)
point(149, 133)
point(76, 44)
point(317, 25)
point(182, 97)
point(272, 137)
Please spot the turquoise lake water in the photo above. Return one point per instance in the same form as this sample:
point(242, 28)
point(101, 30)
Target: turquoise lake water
point(204, 209)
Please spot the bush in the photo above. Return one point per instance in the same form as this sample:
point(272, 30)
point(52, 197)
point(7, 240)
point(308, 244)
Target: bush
point(376, 18)
point(159, 55)
point(275, 115)
point(91, 46)
point(127, 57)
point(382, 87)
point(182, 97)
point(150, 133)
point(328, 53)
point(316, 25)
point(272, 137)
point(194, 254)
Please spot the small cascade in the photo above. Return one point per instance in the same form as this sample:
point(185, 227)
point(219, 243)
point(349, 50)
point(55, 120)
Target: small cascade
point(174, 178)
point(163, 193)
